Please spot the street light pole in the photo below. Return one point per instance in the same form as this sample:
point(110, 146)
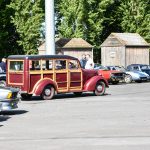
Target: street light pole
point(50, 27)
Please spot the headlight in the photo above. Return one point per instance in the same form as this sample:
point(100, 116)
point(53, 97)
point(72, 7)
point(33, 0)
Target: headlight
point(9, 96)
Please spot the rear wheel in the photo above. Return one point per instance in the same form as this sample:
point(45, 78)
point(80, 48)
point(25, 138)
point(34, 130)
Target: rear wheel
point(26, 96)
point(2, 83)
point(48, 92)
point(100, 88)
point(128, 78)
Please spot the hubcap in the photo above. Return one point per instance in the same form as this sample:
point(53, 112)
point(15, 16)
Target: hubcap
point(99, 88)
point(47, 92)
point(127, 79)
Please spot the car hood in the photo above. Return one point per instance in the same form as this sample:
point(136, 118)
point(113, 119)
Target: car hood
point(3, 89)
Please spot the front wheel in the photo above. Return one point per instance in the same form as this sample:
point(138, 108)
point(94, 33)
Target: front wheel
point(48, 92)
point(100, 88)
point(128, 78)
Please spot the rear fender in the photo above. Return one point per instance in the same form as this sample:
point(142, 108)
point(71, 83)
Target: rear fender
point(91, 83)
point(39, 87)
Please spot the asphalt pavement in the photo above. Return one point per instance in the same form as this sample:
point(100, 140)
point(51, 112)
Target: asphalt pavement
point(120, 120)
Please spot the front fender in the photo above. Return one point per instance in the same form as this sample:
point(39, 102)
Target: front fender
point(91, 83)
point(38, 88)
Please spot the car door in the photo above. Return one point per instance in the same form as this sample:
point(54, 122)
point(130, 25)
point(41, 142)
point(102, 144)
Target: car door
point(61, 75)
point(75, 76)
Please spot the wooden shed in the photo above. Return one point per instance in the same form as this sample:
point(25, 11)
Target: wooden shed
point(124, 49)
point(74, 47)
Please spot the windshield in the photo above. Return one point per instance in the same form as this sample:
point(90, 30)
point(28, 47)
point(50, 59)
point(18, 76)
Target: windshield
point(120, 68)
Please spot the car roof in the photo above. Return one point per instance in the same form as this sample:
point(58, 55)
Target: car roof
point(41, 57)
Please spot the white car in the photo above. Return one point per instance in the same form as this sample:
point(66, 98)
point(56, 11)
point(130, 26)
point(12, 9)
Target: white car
point(9, 98)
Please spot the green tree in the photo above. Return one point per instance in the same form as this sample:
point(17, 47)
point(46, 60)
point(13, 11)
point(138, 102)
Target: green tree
point(112, 21)
point(8, 34)
point(70, 17)
point(135, 17)
point(28, 18)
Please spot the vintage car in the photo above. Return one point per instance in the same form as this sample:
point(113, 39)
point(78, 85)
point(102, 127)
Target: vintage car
point(112, 76)
point(139, 67)
point(47, 75)
point(2, 79)
point(9, 98)
point(132, 75)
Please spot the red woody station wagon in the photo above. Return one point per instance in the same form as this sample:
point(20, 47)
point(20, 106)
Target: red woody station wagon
point(47, 75)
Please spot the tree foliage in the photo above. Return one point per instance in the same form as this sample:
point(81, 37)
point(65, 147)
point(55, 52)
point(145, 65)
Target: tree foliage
point(8, 34)
point(135, 17)
point(27, 19)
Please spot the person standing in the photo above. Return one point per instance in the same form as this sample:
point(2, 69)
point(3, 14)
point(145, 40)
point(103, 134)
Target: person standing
point(3, 65)
point(89, 63)
point(83, 61)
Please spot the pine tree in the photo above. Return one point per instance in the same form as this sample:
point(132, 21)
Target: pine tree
point(27, 19)
point(135, 16)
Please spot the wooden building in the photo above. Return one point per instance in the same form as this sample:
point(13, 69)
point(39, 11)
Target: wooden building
point(124, 49)
point(74, 47)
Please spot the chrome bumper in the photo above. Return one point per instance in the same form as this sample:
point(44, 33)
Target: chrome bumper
point(6, 105)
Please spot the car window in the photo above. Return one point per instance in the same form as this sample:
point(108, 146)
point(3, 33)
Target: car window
point(47, 64)
point(34, 65)
point(16, 66)
point(60, 64)
point(73, 64)
point(145, 67)
point(136, 68)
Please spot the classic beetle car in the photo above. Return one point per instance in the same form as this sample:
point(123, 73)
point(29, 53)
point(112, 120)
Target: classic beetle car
point(9, 98)
point(112, 76)
point(131, 75)
point(47, 75)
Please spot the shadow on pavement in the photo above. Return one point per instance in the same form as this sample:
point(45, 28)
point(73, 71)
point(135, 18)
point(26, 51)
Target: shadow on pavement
point(3, 118)
point(71, 96)
point(14, 112)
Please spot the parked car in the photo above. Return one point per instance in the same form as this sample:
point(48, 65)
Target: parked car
point(132, 75)
point(9, 98)
point(140, 67)
point(47, 75)
point(2, 79)
point(112, 76)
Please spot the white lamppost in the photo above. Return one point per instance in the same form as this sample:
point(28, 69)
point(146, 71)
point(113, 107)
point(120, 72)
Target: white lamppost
point(49, 27)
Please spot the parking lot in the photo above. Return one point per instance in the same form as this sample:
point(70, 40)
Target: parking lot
point(120, 120)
